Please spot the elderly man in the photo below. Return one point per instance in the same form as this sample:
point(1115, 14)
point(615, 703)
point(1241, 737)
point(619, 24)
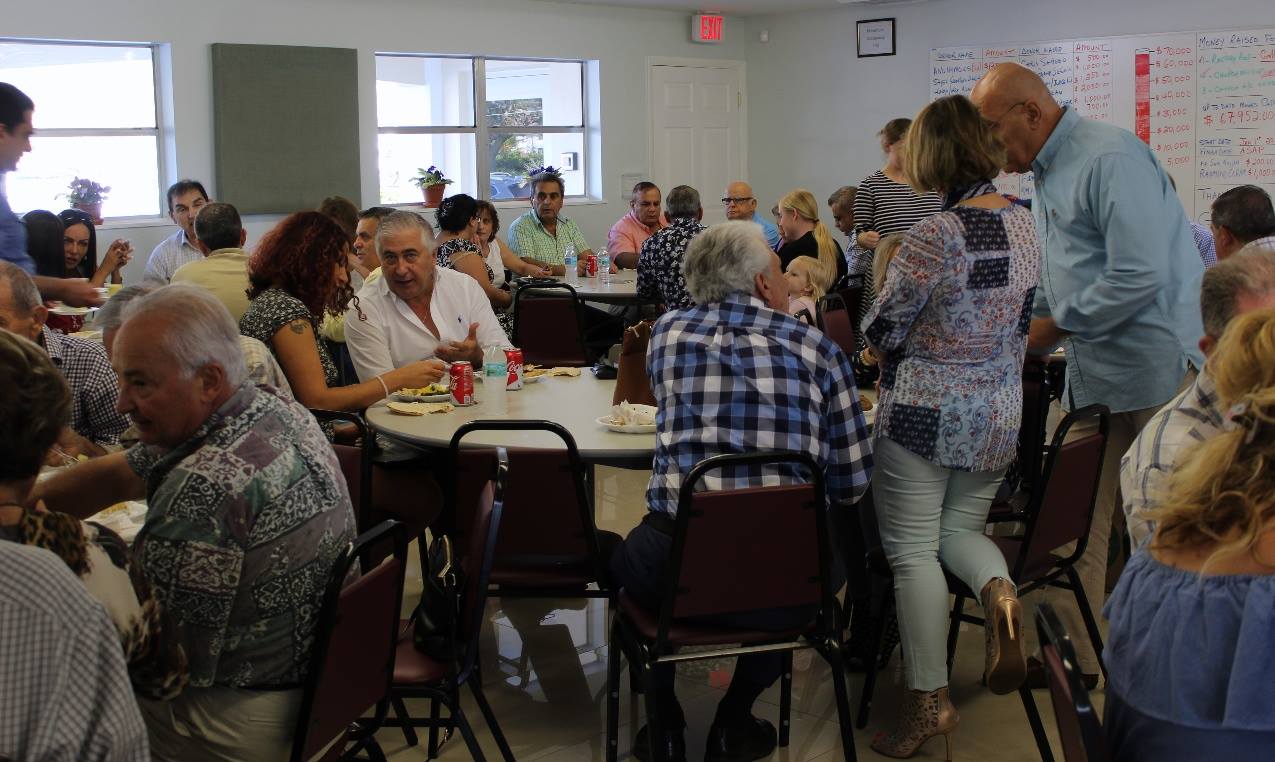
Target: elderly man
point(1234, 286)
point(708, 359)
point(1120, 287)
point(257, 357)
point(659, 269)
point(542, 233)
point(185, 199)
point(94, 424)
point(417, 310)
point(742, 205)
point(625, 240)
point(1240, 216)
point(224, 269)
point(247, 513)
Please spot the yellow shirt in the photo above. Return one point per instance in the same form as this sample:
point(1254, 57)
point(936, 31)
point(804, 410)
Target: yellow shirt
point(224, 273)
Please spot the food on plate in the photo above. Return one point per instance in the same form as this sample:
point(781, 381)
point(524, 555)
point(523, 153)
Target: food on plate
point(626, 414)
point(419, 408)
point(864, 403)
point(114, 509)
point(423, 391)
point(530, 372)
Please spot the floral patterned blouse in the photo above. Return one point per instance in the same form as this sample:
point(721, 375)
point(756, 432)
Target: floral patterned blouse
point(443, 256)
point(951, 325)
point(274, 308)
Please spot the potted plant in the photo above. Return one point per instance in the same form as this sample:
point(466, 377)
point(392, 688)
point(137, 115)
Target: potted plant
point(87, 196)
point(432, 183)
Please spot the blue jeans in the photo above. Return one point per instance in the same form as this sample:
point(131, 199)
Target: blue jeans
point(927, 515)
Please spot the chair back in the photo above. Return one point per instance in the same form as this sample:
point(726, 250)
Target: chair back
point(355, 461)
point(1063, 501)
point(1079, 729)
point(548, 517)
point(836, 322)
point(741, 550)
point(852, 298)
point(352, 659)
point(479, 546)
point(548, 325)
point(1031, 435)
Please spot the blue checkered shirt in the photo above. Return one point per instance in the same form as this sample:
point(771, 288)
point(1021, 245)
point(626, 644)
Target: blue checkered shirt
point(1204, 242)
point(736, 376)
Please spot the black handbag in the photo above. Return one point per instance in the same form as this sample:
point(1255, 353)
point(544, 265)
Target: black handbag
point(437, 615)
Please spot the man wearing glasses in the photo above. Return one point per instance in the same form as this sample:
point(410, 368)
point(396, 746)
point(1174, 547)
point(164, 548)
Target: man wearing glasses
point(740, 205)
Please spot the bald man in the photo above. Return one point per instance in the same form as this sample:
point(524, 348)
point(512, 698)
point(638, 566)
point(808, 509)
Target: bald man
point(1120, 287)
point(741, 205)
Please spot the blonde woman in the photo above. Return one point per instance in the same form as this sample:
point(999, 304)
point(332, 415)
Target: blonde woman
point(950, 328)
point(1188, 654)
point(805, 235)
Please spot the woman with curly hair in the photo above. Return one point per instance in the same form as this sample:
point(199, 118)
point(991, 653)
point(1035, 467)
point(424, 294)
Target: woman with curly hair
point(298, 272)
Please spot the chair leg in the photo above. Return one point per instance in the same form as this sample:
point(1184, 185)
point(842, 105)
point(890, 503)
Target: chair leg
point(870, 676)
point(1086, 613)
point(654, 723)
point(467, 733)
point(613, 695)
point(373, 750)
point(432, 750)
point(785, 699)
point(400, 710)
point(1033, 719)
point(838, 668)
point(490, 717)
point(954, 632)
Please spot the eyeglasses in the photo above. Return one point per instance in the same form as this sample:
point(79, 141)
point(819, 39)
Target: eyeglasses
point(729, 200)
point(993, 125)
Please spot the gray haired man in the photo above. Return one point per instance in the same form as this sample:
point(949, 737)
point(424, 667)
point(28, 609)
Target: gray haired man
point(659, 268)
point(1235, 285)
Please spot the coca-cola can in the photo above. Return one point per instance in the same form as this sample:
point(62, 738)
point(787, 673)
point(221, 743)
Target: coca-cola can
point(591, 266)
point(462, 380)
point(514, 356)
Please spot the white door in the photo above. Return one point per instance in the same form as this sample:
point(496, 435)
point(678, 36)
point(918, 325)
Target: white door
point(697, 130)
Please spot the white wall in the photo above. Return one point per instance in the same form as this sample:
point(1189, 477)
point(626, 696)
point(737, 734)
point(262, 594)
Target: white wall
point(815, 108)
point(620, 39)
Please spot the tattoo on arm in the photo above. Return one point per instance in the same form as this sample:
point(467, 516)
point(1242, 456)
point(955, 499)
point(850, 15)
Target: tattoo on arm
point(298, 326)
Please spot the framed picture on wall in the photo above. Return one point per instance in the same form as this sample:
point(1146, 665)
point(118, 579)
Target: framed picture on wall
point(875, 38)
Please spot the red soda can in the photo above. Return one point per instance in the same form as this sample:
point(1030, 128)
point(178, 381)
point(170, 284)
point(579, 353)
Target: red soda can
point(514, 356)
point(591, 266)
point(462, 380)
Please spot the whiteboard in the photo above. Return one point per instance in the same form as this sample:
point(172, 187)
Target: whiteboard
point(1203, 101)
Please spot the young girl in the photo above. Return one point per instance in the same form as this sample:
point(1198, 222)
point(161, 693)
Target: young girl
point(806, 284)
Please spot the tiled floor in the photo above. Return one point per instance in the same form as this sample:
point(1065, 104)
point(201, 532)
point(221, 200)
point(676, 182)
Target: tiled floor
point(545, 663)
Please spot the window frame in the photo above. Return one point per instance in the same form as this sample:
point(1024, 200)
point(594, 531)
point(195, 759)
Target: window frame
point(157, 132)
point(482, 131)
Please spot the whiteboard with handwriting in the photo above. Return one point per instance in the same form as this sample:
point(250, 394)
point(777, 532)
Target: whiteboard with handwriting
point(1203, 101)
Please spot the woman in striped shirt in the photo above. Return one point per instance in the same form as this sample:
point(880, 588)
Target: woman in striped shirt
point(885, 202)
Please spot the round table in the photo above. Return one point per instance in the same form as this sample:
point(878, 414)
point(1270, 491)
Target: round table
point(621, 290)
point(573, 403)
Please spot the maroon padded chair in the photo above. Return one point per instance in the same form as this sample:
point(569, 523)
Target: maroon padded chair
point(355, 462)
point(713, 569)
point(352, 661)
point(416, 675)
point(1031, 442)
point(836, 321)
point(549, 325)
point(1079, 728)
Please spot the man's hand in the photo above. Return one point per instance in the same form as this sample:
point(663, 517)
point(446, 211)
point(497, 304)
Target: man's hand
point(70, 447)
point(1044, 335)
point(468, 349)
point(869, 239)
point(71, 291)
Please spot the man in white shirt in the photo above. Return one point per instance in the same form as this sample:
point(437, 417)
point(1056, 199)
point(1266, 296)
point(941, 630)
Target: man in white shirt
point(417, 310)
point(185, 199)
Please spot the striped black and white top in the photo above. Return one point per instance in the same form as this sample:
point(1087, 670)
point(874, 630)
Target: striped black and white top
point(889, 207)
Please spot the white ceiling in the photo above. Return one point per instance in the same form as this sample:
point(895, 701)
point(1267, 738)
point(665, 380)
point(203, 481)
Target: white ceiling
point(732, 7)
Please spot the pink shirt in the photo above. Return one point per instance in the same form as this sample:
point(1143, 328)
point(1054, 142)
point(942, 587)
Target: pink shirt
point(629, 234)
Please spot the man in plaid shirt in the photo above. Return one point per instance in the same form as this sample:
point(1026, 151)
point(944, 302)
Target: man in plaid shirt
point(94, 420)
point(736, 374)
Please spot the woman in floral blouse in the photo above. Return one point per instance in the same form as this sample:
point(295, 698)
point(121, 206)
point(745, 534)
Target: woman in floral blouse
point(950, 326)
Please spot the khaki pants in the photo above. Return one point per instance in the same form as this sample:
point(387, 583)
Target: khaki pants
point(220, 724)
point(1092, 566)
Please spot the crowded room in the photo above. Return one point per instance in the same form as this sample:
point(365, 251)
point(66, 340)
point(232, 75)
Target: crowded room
point(655, 380)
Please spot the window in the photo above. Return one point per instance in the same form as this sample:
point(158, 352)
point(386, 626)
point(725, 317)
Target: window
point(483, 121)
point(96, 116)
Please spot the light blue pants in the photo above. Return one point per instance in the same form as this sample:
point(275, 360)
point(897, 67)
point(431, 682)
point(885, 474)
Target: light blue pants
point(929, 514)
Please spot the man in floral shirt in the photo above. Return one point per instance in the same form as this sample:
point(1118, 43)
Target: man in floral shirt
point(659, 267)
point(248, 512)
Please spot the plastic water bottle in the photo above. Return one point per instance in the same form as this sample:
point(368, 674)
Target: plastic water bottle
point(604, 267)
point(495, 381)
point(569, 260)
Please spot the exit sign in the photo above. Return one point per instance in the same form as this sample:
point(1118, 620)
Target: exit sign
point(707, 27)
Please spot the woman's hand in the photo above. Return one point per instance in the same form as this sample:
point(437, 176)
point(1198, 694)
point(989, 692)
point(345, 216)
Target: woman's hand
point(417, 374)
point(118, 255)
point(868, 239)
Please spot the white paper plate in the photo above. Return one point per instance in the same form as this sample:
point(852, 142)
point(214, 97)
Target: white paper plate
point(402, 397)
point(59, 308)
point(628, 428)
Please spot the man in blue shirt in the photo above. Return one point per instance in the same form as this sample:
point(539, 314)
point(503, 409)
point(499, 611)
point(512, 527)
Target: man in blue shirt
point(1120, 288)
point(741, 205)
point(15, 139)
